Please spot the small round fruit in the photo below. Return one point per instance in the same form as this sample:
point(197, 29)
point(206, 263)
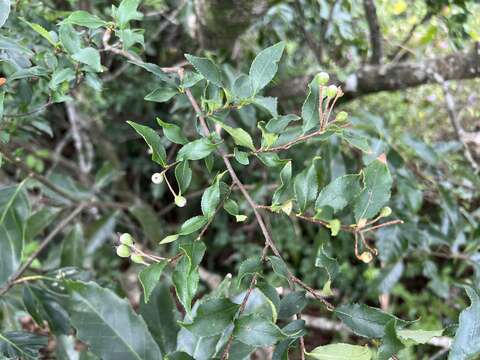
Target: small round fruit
point(123, 251)
point(126, 239)
point(386, 211)
point(180, 201)
point(341, 116)
point(322, 78)
point(332, 91)
point(157, 178)
point(137, 259)
point(366, 257)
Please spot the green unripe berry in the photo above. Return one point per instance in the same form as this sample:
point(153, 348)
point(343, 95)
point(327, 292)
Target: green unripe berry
point(123, 251)
point(386, 211)
point(332, 91)
point(180, 201)
point(322, 78)
point(138, 259)
point(126, 239)
point(157, 178)
point(341, 116)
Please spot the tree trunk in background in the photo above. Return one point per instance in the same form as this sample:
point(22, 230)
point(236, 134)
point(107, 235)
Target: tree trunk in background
point(221, 22)
point(392, 77)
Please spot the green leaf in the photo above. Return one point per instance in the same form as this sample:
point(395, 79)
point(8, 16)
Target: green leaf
point(241, 157)
point(265, 66)
point(284, 191)
point(341, 351)
point(150, 276)
point(280, 123)
point(255, 330)
point(366, 321)
point(376, 192)
point(207, 68)
point(70, 39)
point(360, 142)
point(242, 88)
point(292, 304)
point(130, 37)
point(190, 79)
point(83, 18)
point(161, 94)
point(43, 306)
point(157, 71)
point(310, 115)
point(185, 276)
point(183, 174)
point(323, 260)
point(161, 315)
point(98, 314)
point(40, 30)
point(89, 56)
point(233, 209)
point(21, 345)
point(391, 345)
point(267, 103)
point(249, 267)
point(305, 186)
point(193, 224)
point(211, 199)
point(4, 12)
point(240, 136)
point(465, 344)
point(279, 266)
point(212, 317)
point(154, 142)
point(196, 150)
point(14, 211)
point(126, 12)
point(60, 76)
point(173, 132)
point(409, 337)
point(339, 193)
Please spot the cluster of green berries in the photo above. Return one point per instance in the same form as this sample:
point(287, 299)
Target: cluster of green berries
point(124, 250)
point(331, 92)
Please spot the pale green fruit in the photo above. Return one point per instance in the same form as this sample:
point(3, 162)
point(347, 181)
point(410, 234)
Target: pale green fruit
point(386, 211)
point(126, 239)
point(322, 78)
point(332, 91)
point(123, 251)
point(157, 178)
point(180, 201)
point(341, 116)
point(137, 259)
